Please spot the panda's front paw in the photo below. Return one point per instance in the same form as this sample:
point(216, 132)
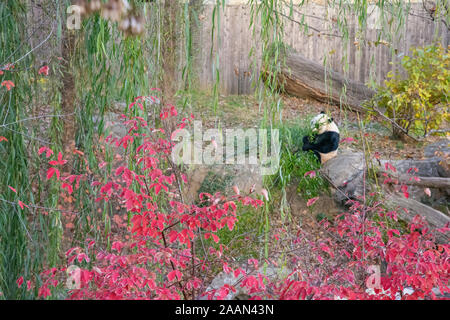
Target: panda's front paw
point(305, 140)
point(306, 143)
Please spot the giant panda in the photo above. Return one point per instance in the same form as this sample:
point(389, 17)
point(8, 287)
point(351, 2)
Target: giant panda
point(326, 140)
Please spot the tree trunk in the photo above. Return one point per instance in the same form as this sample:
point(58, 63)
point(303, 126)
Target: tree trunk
point(68, 91)
point(169, 49)
point(398, 134)
point(304, 78)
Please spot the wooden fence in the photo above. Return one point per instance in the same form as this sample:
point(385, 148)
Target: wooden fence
point(365, 59)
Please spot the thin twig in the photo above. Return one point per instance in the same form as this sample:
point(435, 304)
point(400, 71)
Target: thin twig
point(33, 49)
point(38, 117)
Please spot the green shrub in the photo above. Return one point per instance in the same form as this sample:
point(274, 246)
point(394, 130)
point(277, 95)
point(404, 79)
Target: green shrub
point(419, 100)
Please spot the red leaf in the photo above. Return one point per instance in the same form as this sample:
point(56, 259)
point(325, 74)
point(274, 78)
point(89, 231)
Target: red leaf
point(173, 111)
point(173, 236)
point(52, 171)
point(320, 259)
point(68, 187)
point(60, 160)
point(8, 84)
point(43, 70)
point(311, 201)
point(230, 223)
point(311, 174)
point(19, 282)
point(346, 253)
point(326, 249)
point(117, 245)
point(12, 189)
point(175, 273)
point(3, 139)
point(349, 139)
point(119, 170)
point(215, 238)
point(21, 204)
point(254, 262)
point(48, 151)
point(387, 166)
point(80, 153)
point(83, 256)
point(157, 188)
point(392, 231)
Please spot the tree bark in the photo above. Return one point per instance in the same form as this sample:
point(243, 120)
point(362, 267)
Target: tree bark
point(305, 78)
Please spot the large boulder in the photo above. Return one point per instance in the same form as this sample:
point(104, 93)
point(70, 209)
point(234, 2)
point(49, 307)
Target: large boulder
point(345, 173)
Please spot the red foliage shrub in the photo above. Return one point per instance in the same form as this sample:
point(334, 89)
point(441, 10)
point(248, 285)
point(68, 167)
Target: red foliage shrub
point(166, 257)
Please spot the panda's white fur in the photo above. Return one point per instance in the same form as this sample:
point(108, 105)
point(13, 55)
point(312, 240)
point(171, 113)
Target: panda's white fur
point(321, 124)
point(324, 157)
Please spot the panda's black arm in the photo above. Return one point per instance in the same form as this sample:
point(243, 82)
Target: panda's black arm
point(324, 143)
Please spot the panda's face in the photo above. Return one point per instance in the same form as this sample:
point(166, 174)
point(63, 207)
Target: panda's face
point(323, 123)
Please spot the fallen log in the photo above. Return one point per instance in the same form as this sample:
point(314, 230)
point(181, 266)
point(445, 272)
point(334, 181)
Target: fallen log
point(305, 78)
point(435, 218)
point(433, 182)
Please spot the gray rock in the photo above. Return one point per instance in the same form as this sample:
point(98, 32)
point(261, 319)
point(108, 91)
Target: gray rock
point(241, 293)
point(438, 149)
point(112, 124)
point(345, 172)
point(345, 167)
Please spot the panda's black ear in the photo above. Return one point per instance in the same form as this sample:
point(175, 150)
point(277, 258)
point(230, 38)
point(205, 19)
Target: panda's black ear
point(322, 112)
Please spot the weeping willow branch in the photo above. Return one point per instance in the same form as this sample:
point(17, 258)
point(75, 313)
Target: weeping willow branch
point(320, 32)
